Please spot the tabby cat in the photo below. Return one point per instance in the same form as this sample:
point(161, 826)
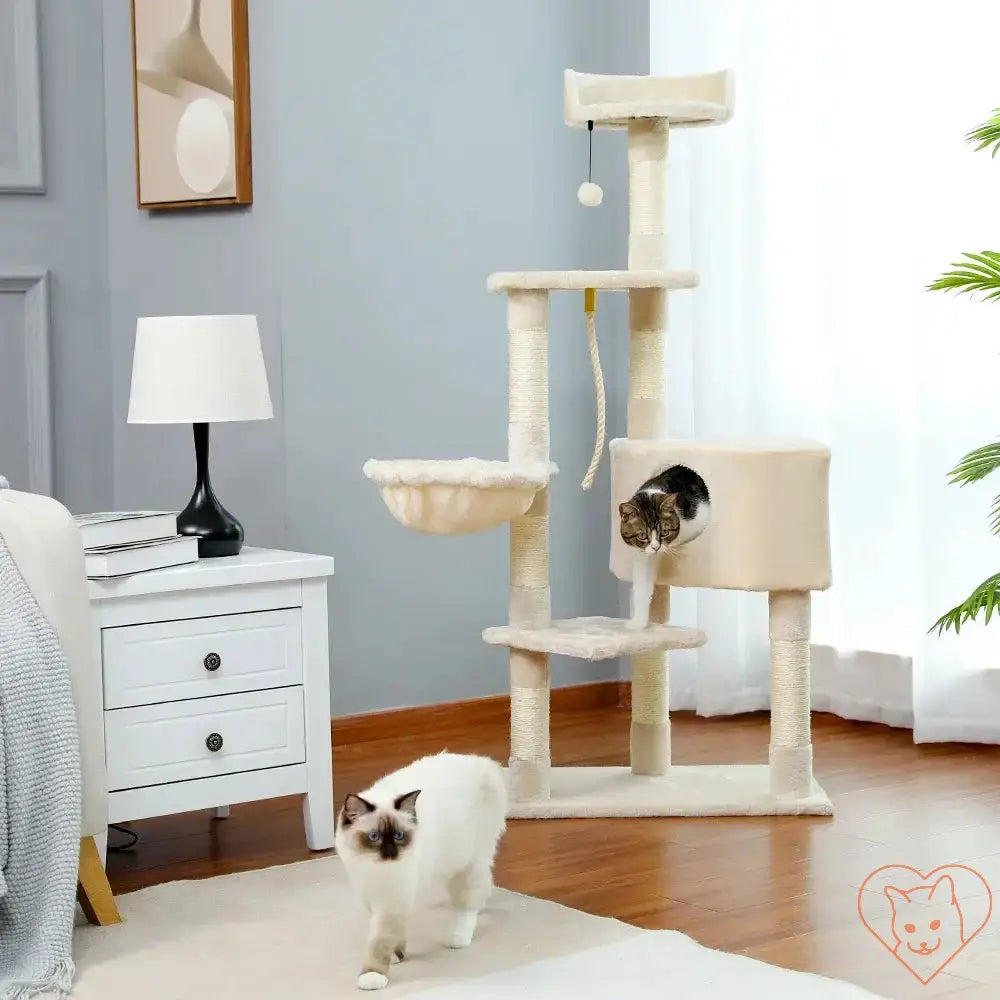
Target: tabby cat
point(667, 511)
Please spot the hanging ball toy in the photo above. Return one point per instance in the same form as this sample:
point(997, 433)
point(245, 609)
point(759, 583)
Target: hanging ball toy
point(589, 194)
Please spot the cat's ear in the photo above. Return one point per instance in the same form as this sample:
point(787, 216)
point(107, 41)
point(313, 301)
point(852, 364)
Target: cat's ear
point(943, 890)
point(668, 501)
point(627, 509)
point(407, 803)
point(355, 807)
point(895, 895)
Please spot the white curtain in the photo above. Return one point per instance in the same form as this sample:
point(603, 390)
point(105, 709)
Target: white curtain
point(816, 218)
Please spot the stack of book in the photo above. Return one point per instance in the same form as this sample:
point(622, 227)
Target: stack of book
point(120, 544)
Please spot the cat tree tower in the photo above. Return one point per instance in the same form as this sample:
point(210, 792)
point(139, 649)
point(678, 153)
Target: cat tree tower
point(769, 530)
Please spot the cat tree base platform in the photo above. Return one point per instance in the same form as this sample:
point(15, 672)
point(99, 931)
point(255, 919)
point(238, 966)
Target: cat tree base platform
point(685, 790)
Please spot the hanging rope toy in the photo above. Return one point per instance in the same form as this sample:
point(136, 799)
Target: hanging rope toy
point(590, 308)
point(589, 193)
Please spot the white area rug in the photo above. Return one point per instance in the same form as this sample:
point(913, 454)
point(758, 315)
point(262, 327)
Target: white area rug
point(296, 933)
point(683, 969)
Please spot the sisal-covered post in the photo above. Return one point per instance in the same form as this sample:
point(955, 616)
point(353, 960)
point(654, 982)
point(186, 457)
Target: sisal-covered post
point(530, 761)
point(649, 738)
point(530, 602)
point(648, 139)
point(647, 250)
point(790, 753)
point(528, 375)
point(647, 312)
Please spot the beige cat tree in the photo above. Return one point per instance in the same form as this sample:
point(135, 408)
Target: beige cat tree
point(769, 529)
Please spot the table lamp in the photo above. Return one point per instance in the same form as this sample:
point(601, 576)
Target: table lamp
point(200, 370)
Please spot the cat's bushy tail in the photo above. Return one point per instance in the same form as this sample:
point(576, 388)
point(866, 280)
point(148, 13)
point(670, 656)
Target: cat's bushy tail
point(493, 799)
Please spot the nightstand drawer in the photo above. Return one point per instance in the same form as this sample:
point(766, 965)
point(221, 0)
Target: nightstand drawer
point(201, 657)
point(203, 738)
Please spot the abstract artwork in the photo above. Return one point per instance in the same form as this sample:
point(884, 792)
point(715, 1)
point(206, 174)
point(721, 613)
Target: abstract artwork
point(191, 82)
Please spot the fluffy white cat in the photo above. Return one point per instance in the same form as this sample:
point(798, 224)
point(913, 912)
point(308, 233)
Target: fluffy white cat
point(431, 827)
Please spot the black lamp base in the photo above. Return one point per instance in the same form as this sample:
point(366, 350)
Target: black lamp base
point(217, 531)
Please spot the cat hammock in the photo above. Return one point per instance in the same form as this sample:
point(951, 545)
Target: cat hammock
point(769, 527)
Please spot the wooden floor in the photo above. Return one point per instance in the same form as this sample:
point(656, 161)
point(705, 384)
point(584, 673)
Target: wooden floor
point(784, 890)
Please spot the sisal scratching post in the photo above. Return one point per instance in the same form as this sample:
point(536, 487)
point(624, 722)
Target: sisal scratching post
point(647, 248)
point(530, 758)
point(647, 403)
point(530, 602)
point(649, 737)
point(647, 166)
point(649, 741)
point(528, 375)
point(791, 743)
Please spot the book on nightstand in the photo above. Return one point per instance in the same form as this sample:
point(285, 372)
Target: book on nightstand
point(110, 561)
point(126, 527)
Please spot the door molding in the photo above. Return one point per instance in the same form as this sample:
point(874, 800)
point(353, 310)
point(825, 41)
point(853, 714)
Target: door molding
point(33, 285)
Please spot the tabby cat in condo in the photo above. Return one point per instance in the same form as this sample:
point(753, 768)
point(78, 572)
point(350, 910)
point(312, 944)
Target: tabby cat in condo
point(667, 511)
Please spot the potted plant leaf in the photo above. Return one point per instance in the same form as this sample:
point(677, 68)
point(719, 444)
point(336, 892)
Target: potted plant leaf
point(976, 274)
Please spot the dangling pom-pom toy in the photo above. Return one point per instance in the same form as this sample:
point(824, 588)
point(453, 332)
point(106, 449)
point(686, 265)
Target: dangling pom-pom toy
point(589, 193)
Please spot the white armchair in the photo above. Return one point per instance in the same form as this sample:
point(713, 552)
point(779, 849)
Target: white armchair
point(45, 542)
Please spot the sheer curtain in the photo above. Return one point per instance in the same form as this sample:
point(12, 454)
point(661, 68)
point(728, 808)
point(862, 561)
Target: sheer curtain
point(815, 219)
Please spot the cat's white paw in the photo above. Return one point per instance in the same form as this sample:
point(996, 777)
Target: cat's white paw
point(462, 931)
point(372, 981)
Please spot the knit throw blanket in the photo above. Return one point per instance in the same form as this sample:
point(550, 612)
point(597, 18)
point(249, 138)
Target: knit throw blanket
point(40, 797)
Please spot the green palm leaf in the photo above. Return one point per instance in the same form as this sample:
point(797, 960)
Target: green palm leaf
point(977, 272)
point(977, 465)
point(987, 134)
point(986, 597)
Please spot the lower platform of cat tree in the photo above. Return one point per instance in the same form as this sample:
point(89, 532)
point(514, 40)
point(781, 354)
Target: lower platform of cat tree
point(594, 638)
point(685, 790)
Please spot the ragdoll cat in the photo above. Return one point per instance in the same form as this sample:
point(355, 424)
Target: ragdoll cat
point(927, 924)
point(667, 511)
point(431, 826)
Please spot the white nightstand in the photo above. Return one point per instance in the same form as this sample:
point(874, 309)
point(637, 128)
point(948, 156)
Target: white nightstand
point(217, 686)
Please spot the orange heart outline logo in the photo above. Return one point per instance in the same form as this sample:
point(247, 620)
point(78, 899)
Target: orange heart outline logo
point(929, 915)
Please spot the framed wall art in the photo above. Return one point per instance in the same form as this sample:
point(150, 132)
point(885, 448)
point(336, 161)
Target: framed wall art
point(191, 90)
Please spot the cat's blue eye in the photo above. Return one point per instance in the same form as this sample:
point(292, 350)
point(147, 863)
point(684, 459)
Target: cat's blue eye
point(399, 837)
point(373, 835)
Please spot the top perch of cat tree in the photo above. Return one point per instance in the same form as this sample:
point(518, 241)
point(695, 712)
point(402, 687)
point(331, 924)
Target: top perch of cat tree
point(614, 101)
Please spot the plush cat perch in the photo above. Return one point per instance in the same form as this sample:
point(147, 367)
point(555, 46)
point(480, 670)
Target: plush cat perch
point(768, 530)
point(457, 497)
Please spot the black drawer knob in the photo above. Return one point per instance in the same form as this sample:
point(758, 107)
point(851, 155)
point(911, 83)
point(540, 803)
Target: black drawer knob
point(214, 742)
point(213, 661)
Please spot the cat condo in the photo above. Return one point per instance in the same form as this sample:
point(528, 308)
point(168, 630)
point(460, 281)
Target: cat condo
point(768, 532)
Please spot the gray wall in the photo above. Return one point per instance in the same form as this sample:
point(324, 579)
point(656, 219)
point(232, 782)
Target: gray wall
point(424, 148)
point(196, 261)
point(401, 153)
point(64, 231)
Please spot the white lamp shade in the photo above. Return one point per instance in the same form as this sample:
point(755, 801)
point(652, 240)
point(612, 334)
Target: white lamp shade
point(198, 369)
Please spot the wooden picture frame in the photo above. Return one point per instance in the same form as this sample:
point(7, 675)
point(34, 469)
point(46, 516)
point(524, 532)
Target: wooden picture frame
point(191, 103)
